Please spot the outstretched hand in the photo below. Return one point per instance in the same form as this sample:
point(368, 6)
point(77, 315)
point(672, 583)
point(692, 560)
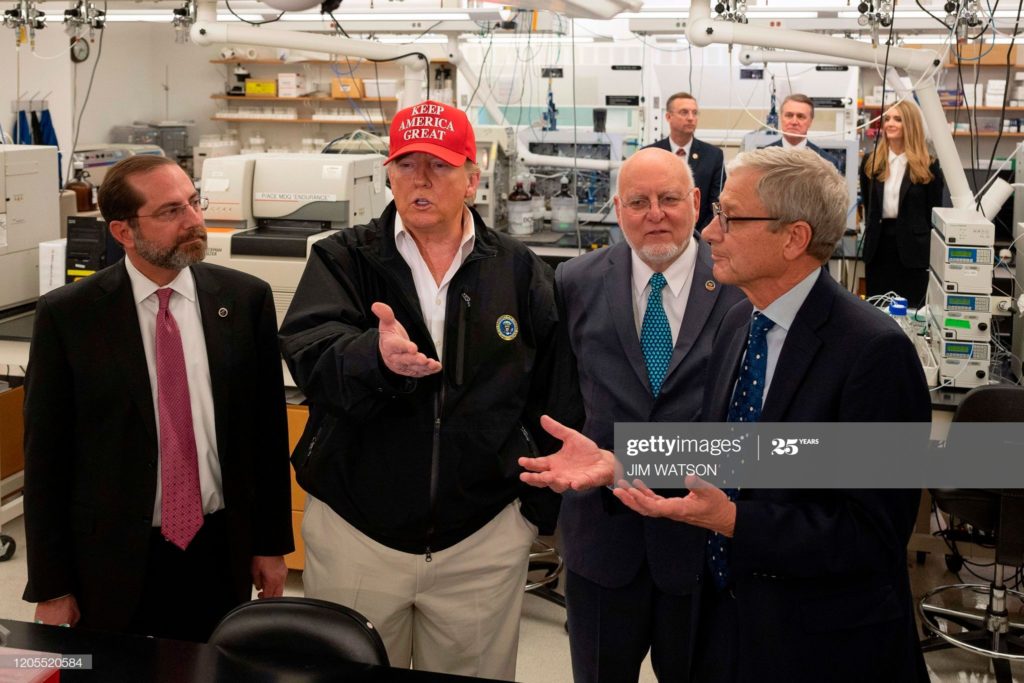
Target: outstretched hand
point(578, 465)
point(400, 354)
point(706, 506)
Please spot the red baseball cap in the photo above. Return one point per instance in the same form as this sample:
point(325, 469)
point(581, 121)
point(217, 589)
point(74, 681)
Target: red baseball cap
point(437, 129)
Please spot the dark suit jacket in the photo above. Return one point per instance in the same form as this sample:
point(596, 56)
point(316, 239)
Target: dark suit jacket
point(91, 443)
point(913, 240)
point(821, 580)
point(817, 150)
point(706, 162)
point(595, 293)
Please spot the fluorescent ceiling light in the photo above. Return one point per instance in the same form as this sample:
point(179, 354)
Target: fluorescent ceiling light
point(532, 40)
point(429, 38)
point(769, 13)
point(405, 16)
point(157, 16)
point(652, 15)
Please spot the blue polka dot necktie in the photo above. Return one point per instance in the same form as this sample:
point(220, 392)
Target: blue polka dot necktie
point(656, 335)
point(745, 407)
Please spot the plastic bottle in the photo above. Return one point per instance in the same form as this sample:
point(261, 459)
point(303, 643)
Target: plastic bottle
point(520, 218)
point(85, 191)
point(563, 209)
point(898, 310)
point(537, 207)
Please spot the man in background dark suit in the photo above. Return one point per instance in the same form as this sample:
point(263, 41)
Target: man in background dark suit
point(156, 451)
point(630, 581)
point(814, 584)
point(797, 117)
point(706, 161)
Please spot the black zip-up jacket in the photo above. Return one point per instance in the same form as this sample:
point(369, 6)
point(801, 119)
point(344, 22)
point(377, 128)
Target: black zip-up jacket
point(419, 465)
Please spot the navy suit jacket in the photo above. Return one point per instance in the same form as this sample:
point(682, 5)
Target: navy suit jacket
point(707, 164)
point(817, 150)
point(820, 577)
point(602, 540)
point(91, 438)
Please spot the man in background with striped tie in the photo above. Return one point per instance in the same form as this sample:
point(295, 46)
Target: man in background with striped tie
point(798, 586)
point(156, 449)
point(681, 115)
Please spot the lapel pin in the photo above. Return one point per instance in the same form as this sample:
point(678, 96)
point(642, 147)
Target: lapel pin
point(710, 285)
point(695, 156)
point(222, 312)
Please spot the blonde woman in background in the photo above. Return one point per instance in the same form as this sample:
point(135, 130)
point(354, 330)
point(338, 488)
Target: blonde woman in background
point(900, 184)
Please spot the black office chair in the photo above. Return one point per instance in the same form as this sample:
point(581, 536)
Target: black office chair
point(298, 633)
point(974, 617)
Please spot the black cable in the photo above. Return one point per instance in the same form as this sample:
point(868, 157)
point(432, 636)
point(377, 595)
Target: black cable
point(925, 10)
point(337, 24)
point(866, 201)
point(227, 3)
point(1006, 96)
point(85, 101)
point(426, 64)
point(422, 33)
point(991, 19)
point(480, 72)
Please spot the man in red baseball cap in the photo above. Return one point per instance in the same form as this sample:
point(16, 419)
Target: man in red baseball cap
point(424, 343)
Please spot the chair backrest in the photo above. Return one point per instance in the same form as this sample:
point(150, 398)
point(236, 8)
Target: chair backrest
point(1000, 511)
point(298, 630)
point(992, 403)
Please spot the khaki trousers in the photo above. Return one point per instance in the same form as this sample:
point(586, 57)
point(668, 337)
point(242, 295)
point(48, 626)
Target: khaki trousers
point(458, 613)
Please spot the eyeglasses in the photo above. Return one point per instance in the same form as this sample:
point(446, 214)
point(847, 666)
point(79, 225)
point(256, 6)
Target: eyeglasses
point(723, 219)
point(173, 214)
point(666, 202)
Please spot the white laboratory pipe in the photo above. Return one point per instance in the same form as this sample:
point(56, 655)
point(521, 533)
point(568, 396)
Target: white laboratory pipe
point(703, 31)
point(750, 56)
point(207, 31)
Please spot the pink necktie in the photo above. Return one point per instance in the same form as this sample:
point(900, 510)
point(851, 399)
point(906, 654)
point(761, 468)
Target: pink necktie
point(681, 152)
point(181, 508)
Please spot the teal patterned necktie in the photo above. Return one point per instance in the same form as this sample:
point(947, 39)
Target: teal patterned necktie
point(656, 336)
point(744, 407)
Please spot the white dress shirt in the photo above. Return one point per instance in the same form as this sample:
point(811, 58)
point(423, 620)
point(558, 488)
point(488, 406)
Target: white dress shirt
point(679, 278)
point(184, 306)
point(783, 312)
point(800, 145)
point(686, 148)
point(891, 189)
point(433, 297)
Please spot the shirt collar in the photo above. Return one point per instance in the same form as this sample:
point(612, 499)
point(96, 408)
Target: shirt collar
point(468, 233)
point(799, 145)
point(783, 310)
point(143, 287)
point(896, 158)
point(676, 274)
point(675, 148)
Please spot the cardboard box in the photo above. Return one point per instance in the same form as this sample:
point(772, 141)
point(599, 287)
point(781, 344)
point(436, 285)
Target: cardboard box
point(12, 432)
point(344, 88)
point(255, 86)
point(293, 85)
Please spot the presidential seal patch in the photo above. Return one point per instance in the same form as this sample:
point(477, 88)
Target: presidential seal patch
point(508, 328)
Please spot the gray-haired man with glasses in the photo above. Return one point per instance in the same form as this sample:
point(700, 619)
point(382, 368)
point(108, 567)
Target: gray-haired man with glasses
point(156, 450)
point(639, 317)
point(800, 585)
